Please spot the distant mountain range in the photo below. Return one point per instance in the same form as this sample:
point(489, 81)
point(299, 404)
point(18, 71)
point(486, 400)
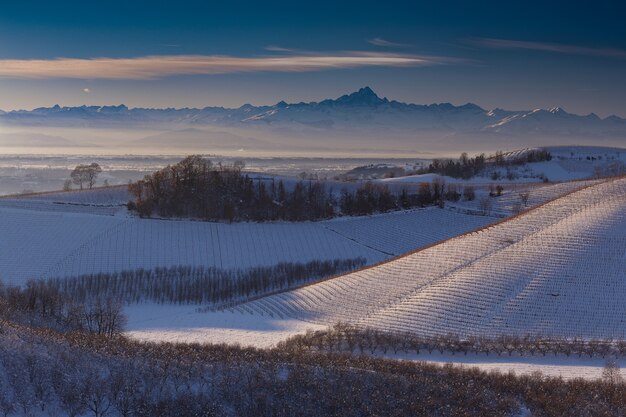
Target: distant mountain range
point(354, 124)
point(362, 109)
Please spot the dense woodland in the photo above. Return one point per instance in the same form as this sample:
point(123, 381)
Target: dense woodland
point(196, 188)
point(197, 285)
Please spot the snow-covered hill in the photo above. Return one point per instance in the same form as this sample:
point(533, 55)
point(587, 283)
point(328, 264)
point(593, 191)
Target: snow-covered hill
point(557, 270)
point(568, 163)
point(90, 232)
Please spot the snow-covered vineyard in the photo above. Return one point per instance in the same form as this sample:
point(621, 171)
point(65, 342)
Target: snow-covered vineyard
point(511, 199)
point(41, 239)
point(557, 270)
point(90, 232)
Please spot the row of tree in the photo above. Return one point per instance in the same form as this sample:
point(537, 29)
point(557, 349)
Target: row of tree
point(197, 285)
point(346, 338)
point(467, 167)
point(42, 304)
point(196, 188)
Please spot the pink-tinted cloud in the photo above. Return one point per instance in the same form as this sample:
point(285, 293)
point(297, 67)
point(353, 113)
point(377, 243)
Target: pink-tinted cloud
point(549, 47)
point(154, 67)
point(276, 48)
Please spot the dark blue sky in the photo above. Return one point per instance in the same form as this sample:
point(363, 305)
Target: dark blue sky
point(518, 55)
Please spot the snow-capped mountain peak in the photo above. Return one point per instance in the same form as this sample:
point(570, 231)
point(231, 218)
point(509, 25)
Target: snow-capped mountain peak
point(557, 110)
point(364, 97)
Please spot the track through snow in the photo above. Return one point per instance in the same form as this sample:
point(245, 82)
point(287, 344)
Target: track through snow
point(559, 269)
point(549, 365)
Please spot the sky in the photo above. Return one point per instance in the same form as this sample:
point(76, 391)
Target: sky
point(517, 55)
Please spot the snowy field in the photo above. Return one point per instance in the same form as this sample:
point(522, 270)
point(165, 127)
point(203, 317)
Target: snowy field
point(555, 270)
point(521, 275)
point(72, 234)
point(106, 201)
point(99, 196)
point(185, 324)
point(511, 198)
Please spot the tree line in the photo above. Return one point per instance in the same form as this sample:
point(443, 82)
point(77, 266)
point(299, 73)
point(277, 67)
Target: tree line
point(197, 285)
point(41, 304)
point(467, 167)
point(196, 188)
point(343, 337)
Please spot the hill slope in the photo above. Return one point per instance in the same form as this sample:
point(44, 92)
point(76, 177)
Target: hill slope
point(83, 233)
point(556, 270)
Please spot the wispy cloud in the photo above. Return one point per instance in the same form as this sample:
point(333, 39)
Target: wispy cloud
point(276, 48)
point(154, 67)
point(548, 47)
point(388, 44)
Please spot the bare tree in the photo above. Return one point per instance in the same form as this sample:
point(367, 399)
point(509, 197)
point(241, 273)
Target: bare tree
point(484, 205)
point(97, 395)
point(105, 318)
point(124, 391)
point(7, 407)
point(468, 193)
point(523, 198)
point(71, 396)
point(86, 175)
point(611, 373)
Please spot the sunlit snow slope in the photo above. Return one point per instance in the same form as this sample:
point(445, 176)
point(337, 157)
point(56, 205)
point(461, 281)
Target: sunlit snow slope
point(559, 269)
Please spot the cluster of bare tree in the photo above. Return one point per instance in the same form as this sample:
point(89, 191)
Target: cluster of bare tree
point(370, 198)
point(345, 338)
point(466, 167)
point(42, 304)
point(376, 198)
point(612, 169)
point(197, 284)
point(78, 374)
point(197, 188)
point(84, 175)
